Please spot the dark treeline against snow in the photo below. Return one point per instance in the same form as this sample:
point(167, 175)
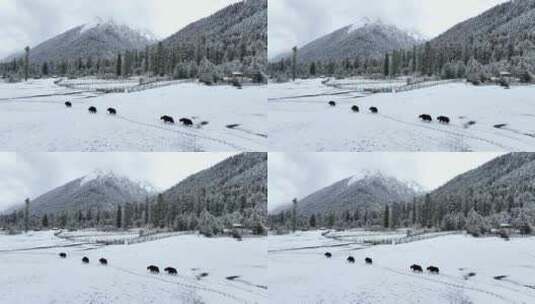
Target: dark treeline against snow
point(498, 42)
point(230, 196)
point(498, 194)
point(233, 40)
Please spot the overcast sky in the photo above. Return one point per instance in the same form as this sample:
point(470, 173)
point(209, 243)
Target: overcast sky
point(25, 175)
point(296, 175)
point(297, 22)
point(30, 22)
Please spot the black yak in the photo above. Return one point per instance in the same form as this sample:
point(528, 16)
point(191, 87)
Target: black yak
point(443, 119)
point(186, 121)
point(85, 260)
point(351, 259)
point(232, 278)
point(332, 103)
point(103, 261)
point(368, 260)
point(171, 270)
point(426, 117)
point(374, 110)
point(153, 269)
point(416, 268)
point(63, 255)
point(68, 104)
point(355, 109)
point(433, 269)
point(328, 255)
point(167, 119)
point(112, 111)
point(92, 110)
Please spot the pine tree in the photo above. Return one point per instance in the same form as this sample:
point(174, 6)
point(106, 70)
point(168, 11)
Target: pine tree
point(294, 63)
point(312, 221)
point(387, 65)
point(294, 215)
point(386, 217)
point(119, 65)
point(26, 62)
point(119, 217)
point(44, 223)
point(27, 215)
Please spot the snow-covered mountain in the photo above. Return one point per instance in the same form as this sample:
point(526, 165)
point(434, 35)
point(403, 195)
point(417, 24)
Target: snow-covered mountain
point(511, 171)
point(100, 189)
point(370, 190)
point(235, 184)
point(98, 39)
point(237, 26)
point(365, 38)
point(503, 27)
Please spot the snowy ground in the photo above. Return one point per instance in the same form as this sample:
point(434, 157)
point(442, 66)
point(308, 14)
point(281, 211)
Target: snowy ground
point(38, 275)
point(33, 118)
point(300, 118)
point(306, 276)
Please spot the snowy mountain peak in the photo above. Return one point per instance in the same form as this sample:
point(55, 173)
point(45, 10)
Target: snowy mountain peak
point(363, 175)
point(102, 175)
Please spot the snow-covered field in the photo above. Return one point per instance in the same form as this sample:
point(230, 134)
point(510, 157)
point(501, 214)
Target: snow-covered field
point(300, 118)
point(306, 276)
point(33, 118)
point(38, 275)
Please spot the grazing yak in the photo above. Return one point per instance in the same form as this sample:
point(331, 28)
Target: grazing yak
point(433, 269)
point(112, 111)
point(153, 269)
point(63, 255)
point(171, 270)
point(351, 259)
point(92, 110)
point(443, 119)
point(103, 261)
point(167, 119)
point(426, 117)
point(355, 109)
point(68, 104)
point(187, 122)
point(416, 268)
point(374, 110)
point(332, 103)
point(368, 260)
point(328, 255)
point(85, 260)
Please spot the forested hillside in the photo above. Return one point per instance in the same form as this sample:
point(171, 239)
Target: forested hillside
point(500, 192)
point(230, 194)
point(233, 40)
point(500, 40)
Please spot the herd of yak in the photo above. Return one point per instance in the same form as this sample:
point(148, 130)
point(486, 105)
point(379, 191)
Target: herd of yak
point(165, 118)
point(152, 268)
point(369, 261)
point(423, 117)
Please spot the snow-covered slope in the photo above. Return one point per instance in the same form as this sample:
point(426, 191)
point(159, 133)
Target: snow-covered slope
point(304, 275)
point(365, 38)
point(474, 113)
point(38, 275)
point(98, 39)
point(236, 184)
point(33, 117)
point(103, 190)
point(506, 24)
point(372, 190)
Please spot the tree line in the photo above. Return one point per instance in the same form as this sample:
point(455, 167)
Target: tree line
point(474, 210)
